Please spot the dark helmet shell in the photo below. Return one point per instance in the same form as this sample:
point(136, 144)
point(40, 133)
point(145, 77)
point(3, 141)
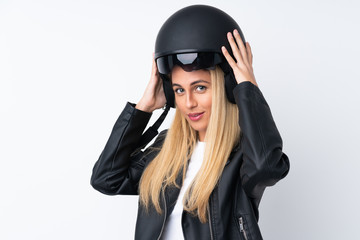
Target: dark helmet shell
point(197, 28)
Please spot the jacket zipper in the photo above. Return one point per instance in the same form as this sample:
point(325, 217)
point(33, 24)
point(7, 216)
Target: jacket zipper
point(211, 233)
point(163, 226)
point(242, 229)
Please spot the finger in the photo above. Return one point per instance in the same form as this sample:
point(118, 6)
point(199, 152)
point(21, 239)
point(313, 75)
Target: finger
point(154, 67)
point(154, 63)
point(228, 57)
point(154, 81)
point(158, 80)
point(234, 47)
point(240, 43)
point(250, 56)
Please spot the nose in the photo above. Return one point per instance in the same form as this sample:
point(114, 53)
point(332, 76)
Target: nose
point(190, 101)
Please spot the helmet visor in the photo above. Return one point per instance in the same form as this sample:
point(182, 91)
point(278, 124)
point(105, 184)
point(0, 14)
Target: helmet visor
point(188, 61)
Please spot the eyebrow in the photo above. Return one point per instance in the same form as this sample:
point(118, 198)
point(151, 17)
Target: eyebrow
point(193, 83)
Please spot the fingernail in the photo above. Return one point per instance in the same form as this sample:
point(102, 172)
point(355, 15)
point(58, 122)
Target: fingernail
point(236, 31)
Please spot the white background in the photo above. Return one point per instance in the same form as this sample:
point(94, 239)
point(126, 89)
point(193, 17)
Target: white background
point(67, 68)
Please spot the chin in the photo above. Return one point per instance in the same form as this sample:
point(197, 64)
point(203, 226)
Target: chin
point(198, 128)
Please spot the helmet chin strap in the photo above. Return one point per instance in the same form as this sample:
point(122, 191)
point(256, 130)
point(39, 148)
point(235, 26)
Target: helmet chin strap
point(168, 91)
point(230, 84)
point(152, 131)
point(230, 81)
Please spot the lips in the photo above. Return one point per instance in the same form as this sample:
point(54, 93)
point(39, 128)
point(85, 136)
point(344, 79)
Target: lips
point(195, 116)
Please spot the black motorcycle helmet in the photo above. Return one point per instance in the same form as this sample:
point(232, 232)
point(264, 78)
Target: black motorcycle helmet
point(192, 38)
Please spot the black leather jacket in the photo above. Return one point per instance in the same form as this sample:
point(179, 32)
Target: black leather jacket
point(255, 163)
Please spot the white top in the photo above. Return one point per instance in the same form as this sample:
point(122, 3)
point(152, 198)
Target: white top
point(173, 227)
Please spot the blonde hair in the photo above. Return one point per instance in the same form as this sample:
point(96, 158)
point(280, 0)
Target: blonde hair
point(222, 135)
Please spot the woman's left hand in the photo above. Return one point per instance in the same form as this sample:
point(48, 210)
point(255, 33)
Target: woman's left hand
point(242, 68)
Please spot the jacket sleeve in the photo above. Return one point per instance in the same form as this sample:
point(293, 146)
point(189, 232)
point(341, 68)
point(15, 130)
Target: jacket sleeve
point(121, 163)
point(264, 163)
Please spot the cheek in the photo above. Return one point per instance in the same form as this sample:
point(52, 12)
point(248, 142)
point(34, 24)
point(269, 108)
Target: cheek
point(180, 105)
point(207, 102)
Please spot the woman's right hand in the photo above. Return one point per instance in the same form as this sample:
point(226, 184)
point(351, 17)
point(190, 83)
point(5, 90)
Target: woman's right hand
point(153, 97)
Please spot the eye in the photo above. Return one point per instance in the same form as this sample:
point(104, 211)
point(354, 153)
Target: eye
point(200, 88)
point(178, 90)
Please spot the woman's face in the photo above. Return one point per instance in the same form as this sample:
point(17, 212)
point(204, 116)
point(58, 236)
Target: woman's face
point(193, 97)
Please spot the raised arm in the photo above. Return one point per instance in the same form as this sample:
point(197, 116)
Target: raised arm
point(121, 163)
point(264, 163)
point(115, 170)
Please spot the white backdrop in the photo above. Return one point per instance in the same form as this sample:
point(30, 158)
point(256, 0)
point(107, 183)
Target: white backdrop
point(67, 69)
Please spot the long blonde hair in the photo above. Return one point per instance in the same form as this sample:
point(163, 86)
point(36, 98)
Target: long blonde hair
point(222, 135)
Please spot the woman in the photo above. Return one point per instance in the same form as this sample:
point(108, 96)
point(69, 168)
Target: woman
point(204, 177)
